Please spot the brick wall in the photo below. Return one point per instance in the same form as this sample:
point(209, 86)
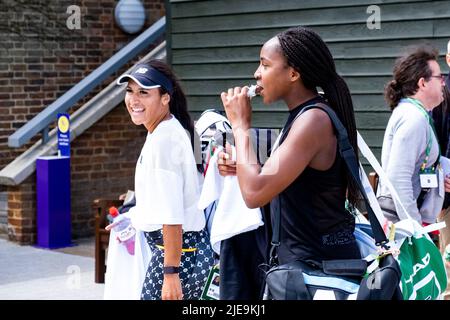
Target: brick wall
point(40, 59)
point(22, 211)
point(103, 160)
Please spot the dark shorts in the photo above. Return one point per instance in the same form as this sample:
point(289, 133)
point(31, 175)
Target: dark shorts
point(241, 277)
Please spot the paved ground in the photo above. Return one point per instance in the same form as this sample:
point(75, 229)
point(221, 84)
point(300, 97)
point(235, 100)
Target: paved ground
point(29, 273)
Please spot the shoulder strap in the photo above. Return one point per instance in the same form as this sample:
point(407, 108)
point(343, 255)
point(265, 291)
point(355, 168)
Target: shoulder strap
point(348, 154)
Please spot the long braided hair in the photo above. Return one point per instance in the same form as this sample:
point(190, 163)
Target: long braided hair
point(308, 54)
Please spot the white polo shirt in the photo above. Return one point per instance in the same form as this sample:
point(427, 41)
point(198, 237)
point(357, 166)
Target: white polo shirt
point(167, 184)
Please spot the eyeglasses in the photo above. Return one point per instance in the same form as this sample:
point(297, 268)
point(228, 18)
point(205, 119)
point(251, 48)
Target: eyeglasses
point(440, 77)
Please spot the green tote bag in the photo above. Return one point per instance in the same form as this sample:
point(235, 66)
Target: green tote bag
point(423, 271)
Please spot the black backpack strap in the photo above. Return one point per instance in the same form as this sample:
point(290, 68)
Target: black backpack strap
point(348, 154)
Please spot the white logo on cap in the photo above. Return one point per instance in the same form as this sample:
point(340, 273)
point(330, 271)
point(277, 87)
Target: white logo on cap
point(141, 70)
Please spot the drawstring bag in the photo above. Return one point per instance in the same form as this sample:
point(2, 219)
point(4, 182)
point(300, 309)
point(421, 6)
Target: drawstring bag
point(424, 276)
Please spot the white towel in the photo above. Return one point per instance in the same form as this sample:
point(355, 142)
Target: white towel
point(232, 216)
point(125, 273)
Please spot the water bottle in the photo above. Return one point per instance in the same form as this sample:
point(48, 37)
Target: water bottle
point(123, 228)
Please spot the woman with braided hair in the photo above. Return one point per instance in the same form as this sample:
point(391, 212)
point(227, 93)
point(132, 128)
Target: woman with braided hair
point(306, 170)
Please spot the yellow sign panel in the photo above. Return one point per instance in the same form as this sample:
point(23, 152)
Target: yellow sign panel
point(63, 124)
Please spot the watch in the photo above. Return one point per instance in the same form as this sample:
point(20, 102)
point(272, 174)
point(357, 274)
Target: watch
point(171, 270)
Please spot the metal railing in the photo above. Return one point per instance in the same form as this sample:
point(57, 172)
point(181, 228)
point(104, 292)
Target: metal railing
point(81, 120)
point(42, 121)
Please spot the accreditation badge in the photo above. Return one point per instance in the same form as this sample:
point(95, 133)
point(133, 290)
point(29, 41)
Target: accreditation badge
point(211, 289)
point(428, 178)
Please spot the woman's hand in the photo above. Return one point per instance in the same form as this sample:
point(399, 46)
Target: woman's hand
point(227, 167)
point(171, 289)
point(123, 196)
point(447, 183)
point(237, 107)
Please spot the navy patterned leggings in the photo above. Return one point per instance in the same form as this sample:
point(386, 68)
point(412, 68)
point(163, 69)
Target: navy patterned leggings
point(196, 262)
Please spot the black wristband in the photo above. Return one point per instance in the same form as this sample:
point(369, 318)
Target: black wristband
point(171, 270)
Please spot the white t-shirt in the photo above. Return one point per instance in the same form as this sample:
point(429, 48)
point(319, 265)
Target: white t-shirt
point(166, 181)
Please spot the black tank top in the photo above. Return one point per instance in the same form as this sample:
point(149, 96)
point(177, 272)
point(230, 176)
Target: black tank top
point(314, 222)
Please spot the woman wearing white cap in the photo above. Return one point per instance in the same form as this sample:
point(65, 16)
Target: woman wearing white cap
point(167, 186)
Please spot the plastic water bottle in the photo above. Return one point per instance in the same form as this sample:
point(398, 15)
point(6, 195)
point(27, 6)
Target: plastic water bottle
point(123, 228)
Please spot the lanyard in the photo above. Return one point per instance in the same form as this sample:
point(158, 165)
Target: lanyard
point(421, 108)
